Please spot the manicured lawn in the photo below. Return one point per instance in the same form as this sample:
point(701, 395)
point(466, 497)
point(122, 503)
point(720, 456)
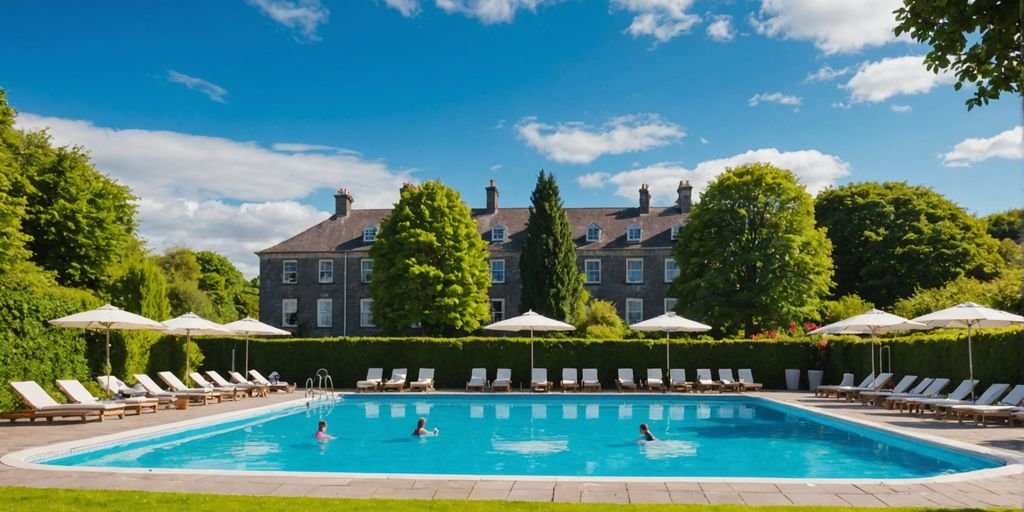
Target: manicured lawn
point(23, 499)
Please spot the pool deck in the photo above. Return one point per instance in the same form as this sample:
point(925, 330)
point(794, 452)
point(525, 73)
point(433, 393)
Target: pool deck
point(991, 491)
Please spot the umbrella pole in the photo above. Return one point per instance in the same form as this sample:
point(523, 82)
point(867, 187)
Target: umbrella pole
point(668, 362)
point(970, 360)
point(873, 338)
point(247, 355)
point(188, 338)
point(107, 368)
point(531, 354)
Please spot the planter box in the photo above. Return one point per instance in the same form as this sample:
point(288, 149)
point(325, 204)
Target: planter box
point(814, 379)
point(792, 379)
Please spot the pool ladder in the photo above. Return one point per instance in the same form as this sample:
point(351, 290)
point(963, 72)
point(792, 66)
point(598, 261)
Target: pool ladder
point(322, 387)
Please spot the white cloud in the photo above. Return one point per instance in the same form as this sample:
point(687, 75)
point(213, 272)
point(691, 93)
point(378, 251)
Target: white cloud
point(299, 147)
point(660, 19)
point(496, 167)
point(881, 80)
point(499, 125)
point(408, 8)
point(826, 74)
point(814, 169)
point(835, 26)
point(490, 11)
point(578, 143)
point(704, 141)
point(1008, 145)
point(206, 192)
point(210, 89)
point(303, 16)
point(774, 97)
point(721, 29)
point(901, 109)
point(841, 105)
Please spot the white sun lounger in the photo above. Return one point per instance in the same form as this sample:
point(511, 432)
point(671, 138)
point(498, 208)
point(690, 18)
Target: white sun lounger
point(503, 380)
point(881, 380)
point(154, 390)
point(252, 389)
point(747, 380)
point(539, 380)
point(677, 380)
point(625, 381)
point(705, 382)
point(177, 386)
point(655, 380)
point(590, 380)
point(728, 382)
point(424, 381)
point(932, 391)
point(77, 393)
point(876, 397)
point(258, 378)
point(42, 405)
point(1009, 404)
point(846, 381)
point(941, 407)
point(569, 382)
point(231, 391)
point(117, 385)
point(477, 379)
point(901, 387)
point(961, 392)
point(397, 380)
point(373, 381)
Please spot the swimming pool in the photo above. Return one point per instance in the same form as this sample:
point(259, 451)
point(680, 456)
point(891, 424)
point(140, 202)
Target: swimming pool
point(542, 435)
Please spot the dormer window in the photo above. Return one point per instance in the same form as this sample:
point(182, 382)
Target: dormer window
point(498, 233)
point(634, 232)
point(593, 233)
point(370, 233)
point(675, 230)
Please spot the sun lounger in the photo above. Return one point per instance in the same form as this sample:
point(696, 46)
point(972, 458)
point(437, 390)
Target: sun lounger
point(77, 393)
point(1015, 417)
point(373, 381)
point(882, 380)
point(877, 397)
point(229, 391)
point(177, 386)
point(251, 388)
point(932, 391)
point(477, 379)
point(941, 406)
point(901, 387)
point(569, 382)
point(705, 382)
point(424, 381)
point(42, 405)
point(590, 380)
point(728, 382)
point(625, 381)
point(655, 380)
point(677, 380)
point(962, 391)
point(539, 380)
point(503, 380)
point(747, 380)
point(846, 381)
point(154, 390)
point(1011, 403)
point(117, 385)
point(278, 386)
point(397, 380)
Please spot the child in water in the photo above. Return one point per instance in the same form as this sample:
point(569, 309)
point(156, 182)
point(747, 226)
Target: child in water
point(321, 432)
point(645, 434)
point(421, 429)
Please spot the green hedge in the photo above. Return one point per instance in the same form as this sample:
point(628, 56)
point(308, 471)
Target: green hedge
point(999, 356)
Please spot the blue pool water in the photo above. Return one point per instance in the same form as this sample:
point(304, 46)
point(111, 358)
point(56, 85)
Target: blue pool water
point(550, 435)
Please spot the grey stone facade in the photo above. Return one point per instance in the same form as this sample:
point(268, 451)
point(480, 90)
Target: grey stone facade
point(340, 240)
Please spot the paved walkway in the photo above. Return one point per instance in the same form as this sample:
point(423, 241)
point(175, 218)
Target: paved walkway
point(1005, 491)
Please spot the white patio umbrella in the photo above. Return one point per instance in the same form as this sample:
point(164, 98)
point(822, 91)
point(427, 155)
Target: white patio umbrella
point(669, 322)
point(108, 318)
point(873, 322)
point(530, 321)
point(190, 325)
point(251, 327)
point(970, 316)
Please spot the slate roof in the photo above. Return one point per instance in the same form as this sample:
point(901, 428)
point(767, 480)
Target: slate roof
point(346, 233)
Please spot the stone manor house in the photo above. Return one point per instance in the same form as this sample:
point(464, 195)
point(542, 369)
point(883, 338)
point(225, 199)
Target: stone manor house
point(317, 282)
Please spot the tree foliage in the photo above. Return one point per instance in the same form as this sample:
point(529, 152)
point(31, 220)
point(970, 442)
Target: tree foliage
point(430, 264)
point(1003, 293)
point(207, 284)
point(890, 239)
point(978, 40)
point(1008, 224)
point(750, 256)
point(552, 284)
point(598, 319)
point(844, 307)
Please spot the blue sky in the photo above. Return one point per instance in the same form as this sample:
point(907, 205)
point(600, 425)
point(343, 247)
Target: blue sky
point(234, 121)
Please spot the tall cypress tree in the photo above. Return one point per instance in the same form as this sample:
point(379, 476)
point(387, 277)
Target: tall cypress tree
point(552, 282)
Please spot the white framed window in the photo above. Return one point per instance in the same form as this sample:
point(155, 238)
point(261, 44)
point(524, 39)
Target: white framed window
point(634, 311)
point(497, 271)
point(634, 270)
point(324, 312)
point(497, 310)
point(326, 271)
point(634, 233)
point(498, 233)
point(365, 270)
point(592, 271)
point(290, 272)
point(675, 230)
point(370, 233)
point(366, 313)
point(290, 312)
point(593, 233)
point(671, 270)
point(670, 304)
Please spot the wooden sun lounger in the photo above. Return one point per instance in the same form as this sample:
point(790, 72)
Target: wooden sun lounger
point(373, 381)
point(590, 382)
point(258, 378)
point(77, 393)
point(625, 380)
point(44, 406)
point(677, 380)
point(477, 379)
point(503, 380)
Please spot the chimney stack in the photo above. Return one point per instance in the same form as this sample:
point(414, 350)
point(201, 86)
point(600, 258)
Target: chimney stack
point(492, 198)
point(645, 200)
point(685, 191)
point(342, 203)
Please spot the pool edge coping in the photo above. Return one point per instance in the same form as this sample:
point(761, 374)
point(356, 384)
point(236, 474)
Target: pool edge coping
point(24, 459)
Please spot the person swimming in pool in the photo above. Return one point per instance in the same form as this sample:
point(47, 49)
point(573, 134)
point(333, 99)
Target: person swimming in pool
point(321, 432)
point(645, 434)
point(421, 429)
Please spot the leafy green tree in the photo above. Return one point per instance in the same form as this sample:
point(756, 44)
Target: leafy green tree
point(890, 239)
point(844, 307)
point(430, 264)
point(551, 280)
point(1008, 224)
point(231, 294)
point(978, 40)
point(750, 256)
point(599, 319)
point(1003, 292)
